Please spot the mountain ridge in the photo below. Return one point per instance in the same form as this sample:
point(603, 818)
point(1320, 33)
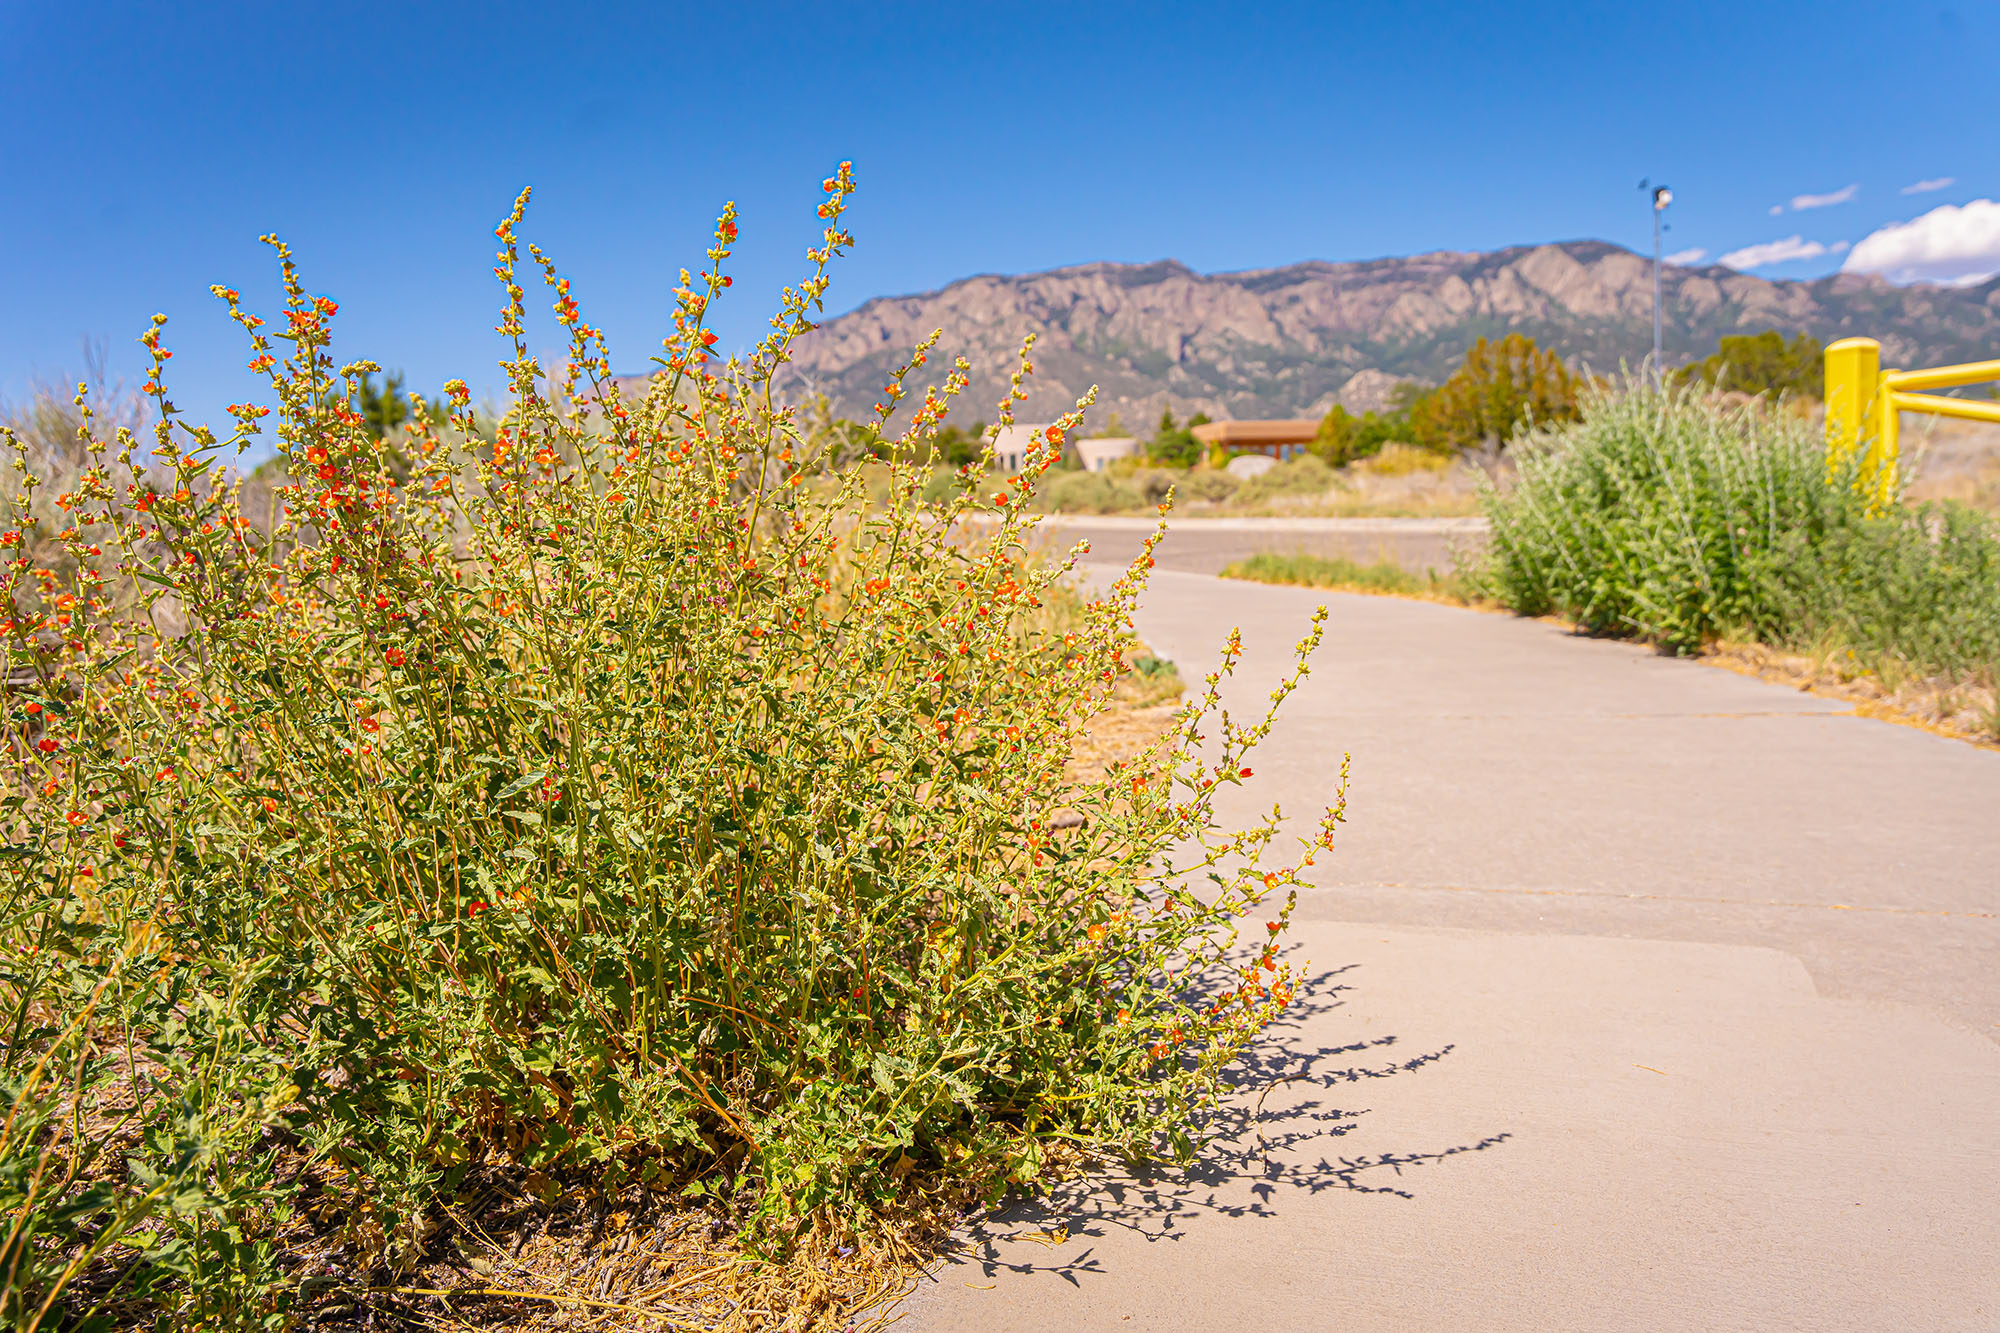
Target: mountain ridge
point(1291, 340)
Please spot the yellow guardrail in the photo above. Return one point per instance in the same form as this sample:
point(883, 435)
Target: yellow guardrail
point(1865, 403)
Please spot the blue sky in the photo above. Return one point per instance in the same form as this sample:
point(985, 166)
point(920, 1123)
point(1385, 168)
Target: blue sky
point(148, 146)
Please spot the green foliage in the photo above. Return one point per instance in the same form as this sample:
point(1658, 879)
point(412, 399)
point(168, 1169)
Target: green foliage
point(1664, 516)
point(956, 446)
point(1176, 446)
point(1320, 571)
point(1344, 438)
point(1762, 363)
point(1501, 388)
point(195, 1197)
point(637, 795)
point(384, 409)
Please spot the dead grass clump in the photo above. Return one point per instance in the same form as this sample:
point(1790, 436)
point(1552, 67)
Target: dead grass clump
point(1960, 709)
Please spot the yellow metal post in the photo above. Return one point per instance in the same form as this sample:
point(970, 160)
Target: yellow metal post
point(1859, 415)
point(1865, 403)
point(1853, 369)
point(1884, 448)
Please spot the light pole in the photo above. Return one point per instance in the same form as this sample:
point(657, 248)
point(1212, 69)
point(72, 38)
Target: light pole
point(1662, 196)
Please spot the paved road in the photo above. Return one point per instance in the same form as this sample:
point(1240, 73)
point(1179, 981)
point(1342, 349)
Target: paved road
point(1651, 997)
point(1205, 545)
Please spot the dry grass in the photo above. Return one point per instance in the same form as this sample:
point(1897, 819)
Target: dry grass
point(639, 1262)
point(1401, 482)
point(1957, 709)
point(1383, 578)
point(1398, 483)
point(1372, 502)
point(1403, 460)
point(1952, 460)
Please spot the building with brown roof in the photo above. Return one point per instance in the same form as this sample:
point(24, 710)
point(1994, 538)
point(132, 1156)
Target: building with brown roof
point(1274, 439)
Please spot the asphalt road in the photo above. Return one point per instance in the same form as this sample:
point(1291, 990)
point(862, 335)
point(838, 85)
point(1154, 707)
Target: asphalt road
point(1649, 997)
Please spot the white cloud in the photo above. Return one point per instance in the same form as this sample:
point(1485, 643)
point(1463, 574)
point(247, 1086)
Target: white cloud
point(1686, 257)
point(1953, 243)
point(1774, 252)
point(1805, 201)
point(1776, 209)
point(1934, 183)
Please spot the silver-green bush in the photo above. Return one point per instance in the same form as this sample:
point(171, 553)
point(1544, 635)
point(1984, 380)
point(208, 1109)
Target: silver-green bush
point(1671, 517)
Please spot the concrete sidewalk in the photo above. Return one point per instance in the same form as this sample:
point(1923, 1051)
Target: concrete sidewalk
point(1650, 996)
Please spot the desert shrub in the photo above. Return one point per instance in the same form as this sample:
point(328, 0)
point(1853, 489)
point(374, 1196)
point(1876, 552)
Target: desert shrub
point(1208, 483)
point(1089, 493)
point(1402, 460)
point(1672, 517)
point(628, 796)
point(1304, 475)
point(1153, 483)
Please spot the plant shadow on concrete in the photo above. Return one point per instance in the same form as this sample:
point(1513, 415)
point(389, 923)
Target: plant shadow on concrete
point(1271, 1136)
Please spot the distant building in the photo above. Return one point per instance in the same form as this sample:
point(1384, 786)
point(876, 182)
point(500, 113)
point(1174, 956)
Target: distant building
point(1098, 454)
point(1273, 439)
point(1011, 445)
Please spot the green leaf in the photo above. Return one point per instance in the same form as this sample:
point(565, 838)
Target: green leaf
point(520, 784)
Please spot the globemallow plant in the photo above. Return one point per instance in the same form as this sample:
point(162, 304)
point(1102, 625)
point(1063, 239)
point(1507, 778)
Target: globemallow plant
point(617, 791)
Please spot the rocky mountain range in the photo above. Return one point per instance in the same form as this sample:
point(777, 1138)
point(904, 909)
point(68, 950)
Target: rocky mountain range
point(1292, 341)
